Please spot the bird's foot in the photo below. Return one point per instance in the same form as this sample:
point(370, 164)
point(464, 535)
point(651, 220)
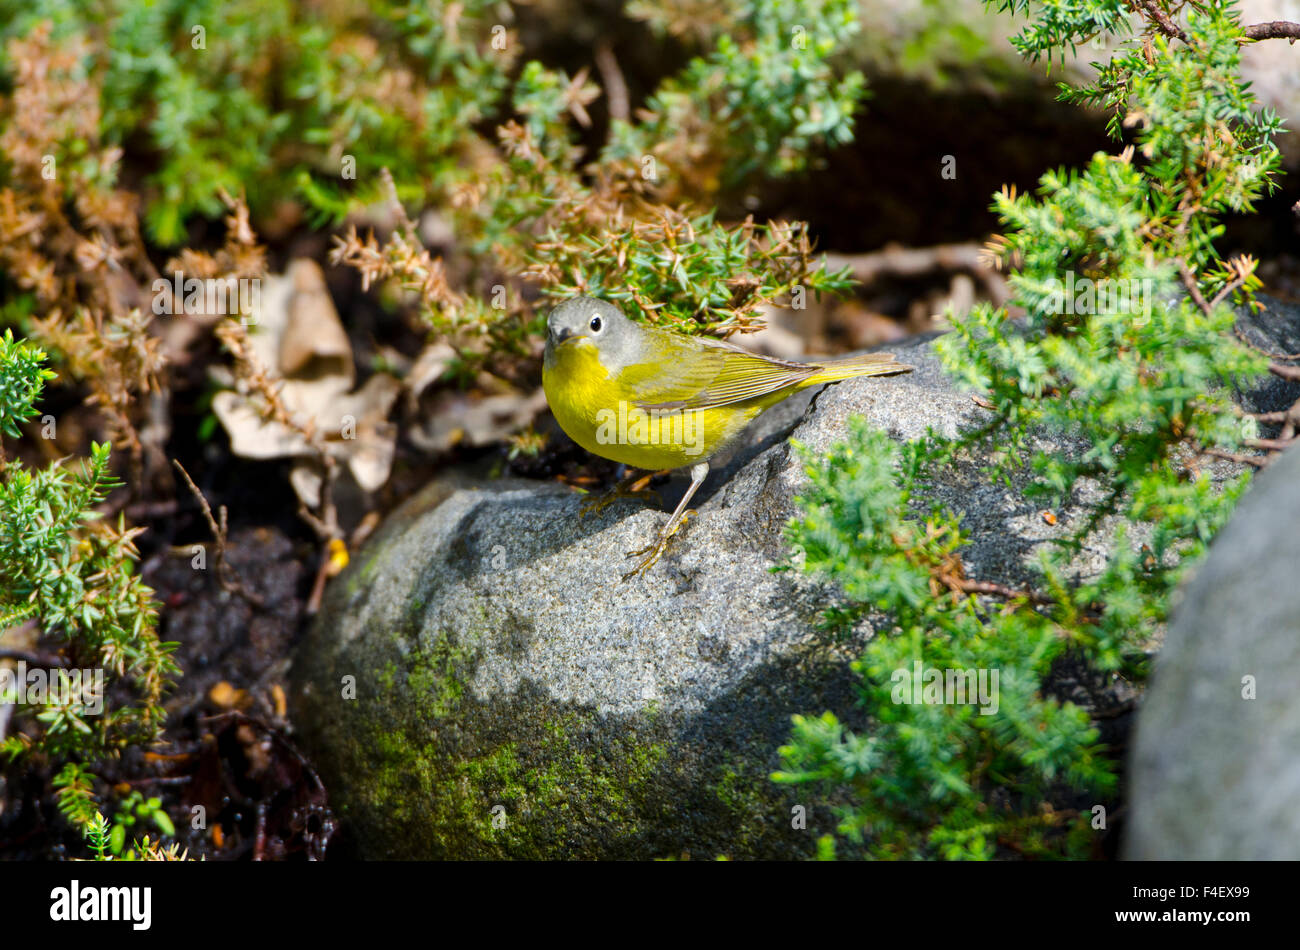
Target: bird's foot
point(634, 487)
point(655, 549)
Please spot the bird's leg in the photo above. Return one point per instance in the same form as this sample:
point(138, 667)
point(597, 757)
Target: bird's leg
point(655, 549)
point(632, 485)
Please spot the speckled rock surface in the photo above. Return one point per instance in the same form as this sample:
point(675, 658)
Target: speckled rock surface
point(512, 698)
point(515, 698)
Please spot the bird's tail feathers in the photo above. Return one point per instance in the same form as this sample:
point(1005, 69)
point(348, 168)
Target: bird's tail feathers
point(867, 364)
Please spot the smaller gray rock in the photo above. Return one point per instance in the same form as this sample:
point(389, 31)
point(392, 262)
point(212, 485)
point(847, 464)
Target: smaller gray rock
point(1216, 763)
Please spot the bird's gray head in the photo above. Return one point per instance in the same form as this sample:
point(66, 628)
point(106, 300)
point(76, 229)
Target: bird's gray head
point(599, 322)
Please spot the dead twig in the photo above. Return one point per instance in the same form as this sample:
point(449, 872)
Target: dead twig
point(316, 842)
point(1162, 20)
point(226, 576)
point(327, 528)
point(1286, 372)
point(273, 408)
point(967, 586)
point(1274, 445)
point(1259, 349)
point(403, 220)
point(1194, 288)
point(918, 261)
point(1273, 30)
point(1258, 461)
point(1289, 418)
point(275, 734)
point(1228, 288)
point(612, 78)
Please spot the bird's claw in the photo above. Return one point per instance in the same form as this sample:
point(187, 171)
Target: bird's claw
point(599, 503)
point(656, 548)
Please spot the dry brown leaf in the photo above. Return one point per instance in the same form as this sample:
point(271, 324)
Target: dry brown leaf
point(297, 332)
point(455, 417)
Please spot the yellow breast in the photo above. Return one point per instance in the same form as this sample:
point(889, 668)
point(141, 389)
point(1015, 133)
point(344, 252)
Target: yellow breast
point(593, 411)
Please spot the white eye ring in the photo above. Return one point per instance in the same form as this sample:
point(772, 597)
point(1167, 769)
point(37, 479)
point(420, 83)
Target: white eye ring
point(595, 324)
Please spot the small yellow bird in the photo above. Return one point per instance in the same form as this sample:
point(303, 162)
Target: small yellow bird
point(655, 399)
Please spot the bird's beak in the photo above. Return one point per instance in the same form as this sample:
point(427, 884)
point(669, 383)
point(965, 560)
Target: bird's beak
point(560, 335)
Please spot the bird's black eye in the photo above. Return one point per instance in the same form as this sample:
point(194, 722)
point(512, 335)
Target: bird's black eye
point(595, 324)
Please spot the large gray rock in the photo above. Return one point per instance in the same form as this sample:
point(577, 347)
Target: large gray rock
point(1216, 764)
point(499, 660)
point(512, 698)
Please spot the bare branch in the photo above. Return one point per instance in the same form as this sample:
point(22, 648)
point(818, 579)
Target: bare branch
point(226, 576)
point(1194, 288)
point(1273, 30)
point(612, 77)
point(1161, 19)
point(1275, 445)
point(966, 586)
point(1259, 461)
point(1259, 349)
point(1286, 372)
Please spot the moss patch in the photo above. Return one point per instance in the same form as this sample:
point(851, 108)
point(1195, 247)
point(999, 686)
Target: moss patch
point(575, 793)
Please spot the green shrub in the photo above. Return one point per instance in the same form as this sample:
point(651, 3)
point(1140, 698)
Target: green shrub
point(74, 574)
point(635, 225)
point(762, 100)
point(271, 97)
point(1143, 387)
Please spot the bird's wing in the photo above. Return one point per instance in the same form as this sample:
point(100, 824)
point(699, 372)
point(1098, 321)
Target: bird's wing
point(697, 373)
